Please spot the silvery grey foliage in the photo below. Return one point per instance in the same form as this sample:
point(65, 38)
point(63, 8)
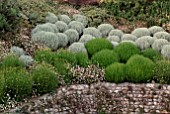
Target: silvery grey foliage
point(72, 35)
point(92, 31)
point(26, 60)
point(116, 32)
point(81, 18)
point(78, 26)
point(159, 43)
point(155, 29)
point(77, 47)
point(113, 38)
point(162, 35)
point(114, 44)
point(128, 37)
point(47, 38)
point(61, 26)
point(64, 18)
point(85, 38)
point(51, 18)
point(139, 32)
point(105, 29)
point(17, 51)
point(166, 51)
point(144, 42)
point(63, 40)
point(128, 41)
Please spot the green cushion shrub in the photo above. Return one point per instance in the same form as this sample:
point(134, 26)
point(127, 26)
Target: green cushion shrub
point(96, 45)
point(125, 50)
point(162, 71)
point(105, 58)
point(139, 69)
point(115, 73)
point(151, 54)
point(2, 87)
point(82, 59)
point(18, 82)
point(44, 79)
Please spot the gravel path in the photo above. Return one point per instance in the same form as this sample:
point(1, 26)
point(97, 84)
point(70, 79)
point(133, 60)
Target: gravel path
point(102, 98)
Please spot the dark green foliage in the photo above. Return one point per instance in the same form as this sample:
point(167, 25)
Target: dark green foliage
point(18, 83)
point(151, 54)
point(11, 61)
point(44, 79)
point(105, 58)
point(2, 87)
point(115, 73)
point(139, 69)
point(96, 45)
point(82, 59)
point(9, 17)
point(162, 71)
point(126, 50)
point(45, 56)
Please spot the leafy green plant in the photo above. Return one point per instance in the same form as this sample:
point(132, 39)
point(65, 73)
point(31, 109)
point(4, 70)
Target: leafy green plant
point(125, 50)
point(2, 87)
point(151, 54)
point(105, 57)
point(115, 73)
point(139, 69)
point(96, 45)
point(82, 59)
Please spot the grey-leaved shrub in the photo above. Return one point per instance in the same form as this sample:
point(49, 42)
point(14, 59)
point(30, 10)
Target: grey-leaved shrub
point(128, 37)
point(26, 60)
point(116, 32)
point(92, 31)
point(81, 18)
point(85, 38)
point(166, 51)
point(63, 40)
point(139, 32)
point(114, 44)
point(159, 43)
point(78, 26)
point(72, 35)
point(17, 50)
point(155, 29)
point(51, 18)
point(105, 29)
point(62, 26)
point(162, 35)
point(113, 38)
point(64, 18)
point(77, 47)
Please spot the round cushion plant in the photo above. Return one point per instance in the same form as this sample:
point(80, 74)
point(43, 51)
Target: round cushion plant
point(105, 57)
point(151, 54)
point(2, 87)
point(139, 69)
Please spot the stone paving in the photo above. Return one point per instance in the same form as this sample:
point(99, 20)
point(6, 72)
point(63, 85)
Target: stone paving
point(102, 98)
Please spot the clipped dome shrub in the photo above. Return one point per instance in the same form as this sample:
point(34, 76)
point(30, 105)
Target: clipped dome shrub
point(81, 18)
point(77, 47)
point(126, 50)
point(151, 54)
point(85, 38)
point(47, 38)
point(2, 87)
point(162, 35)
point(139, 69)
point(159, 43)
point(61, 26)
point(26, 60)
point(63, 39)
point(64, 18)
point(11, 61)
point(115, 73)
point(128, 37)
point(162, 71)
point(96, 45)
point(144, 42)
point(17, 51)
point(51, 18)
point(116, 32)
point(114, 44)
point(78, 26)
point(82, 59)
point(166, 51)
point(128, 41)
point(92, 31)
point(113, 38)
point(18, 82)
point(105, 57)
point(139, 32)
point(72, 35)
point(44, 79)
point(105, 29)
point(155, 29)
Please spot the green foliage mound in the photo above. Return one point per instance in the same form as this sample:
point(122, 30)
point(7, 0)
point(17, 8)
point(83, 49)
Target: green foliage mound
point(151, 54)
point(44, 79)
point(125, 50)
point(97, 45)
point(82, 59)
point(162, 71)
point(115, 73)
point(105, 58)
point(2, 87)
point(139, 69)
